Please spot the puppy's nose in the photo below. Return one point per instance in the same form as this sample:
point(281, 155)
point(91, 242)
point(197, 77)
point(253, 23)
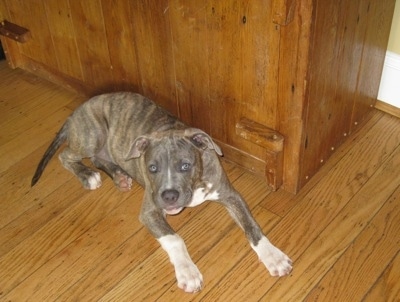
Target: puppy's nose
point(170, 196)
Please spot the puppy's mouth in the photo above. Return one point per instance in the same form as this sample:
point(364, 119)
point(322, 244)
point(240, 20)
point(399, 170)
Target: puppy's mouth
point(173, 210)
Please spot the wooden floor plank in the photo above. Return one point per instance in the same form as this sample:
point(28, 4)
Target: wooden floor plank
point(20, 147)
point(338, 235)
point(365, 259)
point(16, 192)
point(54, 236)
point(88, 250)
point(115, 267)
point(36, 216)
point(26, 117)
point(16, 107)
point(387, 288)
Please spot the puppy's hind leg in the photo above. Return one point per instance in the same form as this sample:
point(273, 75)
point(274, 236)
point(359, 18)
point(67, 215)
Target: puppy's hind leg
point(72, 161)
point(121, 179)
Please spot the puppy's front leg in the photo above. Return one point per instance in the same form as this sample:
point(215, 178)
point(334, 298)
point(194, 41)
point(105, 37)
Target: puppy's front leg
point(187, 274)
point(277, 263)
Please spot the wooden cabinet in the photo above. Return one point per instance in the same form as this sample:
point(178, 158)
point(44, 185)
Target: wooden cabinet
point(280, 84)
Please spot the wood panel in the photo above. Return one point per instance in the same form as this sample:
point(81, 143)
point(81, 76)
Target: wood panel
point(322, 90)
point(224, 42)
point(190, 52)
point(341, 43)
point(32, 15)
point(246, 93)
point(153, 44)
point(10, 47)
point(349, 55)
point(379, 14)
point(88, 20)
point(259, 70)
point(293, 70)
point(63, 34)
point(121, 43)
point(221, 30)
point(259, 63)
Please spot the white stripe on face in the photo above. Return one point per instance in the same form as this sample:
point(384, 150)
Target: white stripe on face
point(169, 183)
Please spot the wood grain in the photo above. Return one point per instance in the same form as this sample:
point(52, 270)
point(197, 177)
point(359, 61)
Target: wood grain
point(341, 91)
point(121, 41)
point(379, 16)
point(291, 106)
point(153, 47)
point(387, 286)
point(89, 26)
point(330, 247)
point(376, 241)
point(193, 104)
point(41, 45)
point(64, 38)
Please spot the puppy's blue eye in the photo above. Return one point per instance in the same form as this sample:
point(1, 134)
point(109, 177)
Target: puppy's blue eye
point(153, 168)
point(185, 167)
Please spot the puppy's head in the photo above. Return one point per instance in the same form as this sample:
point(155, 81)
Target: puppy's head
point(172, 165)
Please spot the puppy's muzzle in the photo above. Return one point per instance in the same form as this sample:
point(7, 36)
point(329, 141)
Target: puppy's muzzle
point(170, 199)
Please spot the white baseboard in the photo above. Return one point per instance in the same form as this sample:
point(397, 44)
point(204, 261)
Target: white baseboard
point(389, 89)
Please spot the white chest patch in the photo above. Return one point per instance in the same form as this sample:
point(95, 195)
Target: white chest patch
point(200, 195)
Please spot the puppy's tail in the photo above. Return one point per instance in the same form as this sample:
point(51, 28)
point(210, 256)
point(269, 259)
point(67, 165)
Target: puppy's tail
point(51, 150)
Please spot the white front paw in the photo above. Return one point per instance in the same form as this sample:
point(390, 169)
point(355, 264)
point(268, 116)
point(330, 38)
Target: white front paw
point(187, 274)
point(277, 263)
point(189, 277)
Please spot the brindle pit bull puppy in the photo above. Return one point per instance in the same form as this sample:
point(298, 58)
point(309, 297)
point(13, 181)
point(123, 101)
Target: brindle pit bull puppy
point(129, 137)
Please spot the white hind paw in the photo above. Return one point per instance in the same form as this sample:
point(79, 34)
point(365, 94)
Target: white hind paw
point(93, 181)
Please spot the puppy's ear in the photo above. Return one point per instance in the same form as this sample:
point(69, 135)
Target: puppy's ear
point(138, 147)
point(202, 140)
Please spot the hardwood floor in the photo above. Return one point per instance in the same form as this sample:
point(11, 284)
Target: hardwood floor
point(59, 242)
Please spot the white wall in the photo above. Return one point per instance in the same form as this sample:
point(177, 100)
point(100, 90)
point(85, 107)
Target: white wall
point(389, 90)
point(394, 38)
